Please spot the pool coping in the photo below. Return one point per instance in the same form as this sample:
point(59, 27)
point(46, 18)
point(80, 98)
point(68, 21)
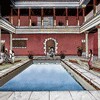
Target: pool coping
point(7, 74)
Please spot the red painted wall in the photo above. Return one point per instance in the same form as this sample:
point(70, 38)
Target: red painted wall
point(67, 43)
point(35, 43)
point(93, 42)
point(60, 19)
point(72, 21)
point(15, 20)
point(24, 21)
point(90, 42)
point(34, 19)
point(81, 20)
point(6, 37)
point(95, 48)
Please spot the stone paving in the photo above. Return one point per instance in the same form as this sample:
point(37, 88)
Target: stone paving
point(54, 95)
point(8, 65)
point(90, 77)
point(83, 63)
point(51, 95)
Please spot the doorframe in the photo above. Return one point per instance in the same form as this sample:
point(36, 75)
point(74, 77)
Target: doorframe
point(56, 45)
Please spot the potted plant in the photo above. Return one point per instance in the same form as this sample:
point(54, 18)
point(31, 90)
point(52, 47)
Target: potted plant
point(33, 23)
point(60, 23)
point(79, 51)
point(30, 55)
point(62, 55)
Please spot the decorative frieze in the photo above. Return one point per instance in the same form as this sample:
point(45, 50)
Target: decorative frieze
point(7, 25)
point(47, 30)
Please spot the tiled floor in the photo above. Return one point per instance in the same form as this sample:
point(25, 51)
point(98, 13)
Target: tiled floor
point(51, 95)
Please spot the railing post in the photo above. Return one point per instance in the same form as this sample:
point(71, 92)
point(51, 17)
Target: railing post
point(84, 19)
point(94, 7)
point(42, 17)
point(11, 16)
point(66, 16)
point(54, 17)
point(77, 16)
point(18, 17)
point(30, 22)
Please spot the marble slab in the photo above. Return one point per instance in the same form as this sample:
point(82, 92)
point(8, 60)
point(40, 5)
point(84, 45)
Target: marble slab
point(20, 96)
point(63, 95)
point(39, 96)
point(51, 95)
point(82, 95)
point(96, 94)
point(5, 95)
point(81, 70)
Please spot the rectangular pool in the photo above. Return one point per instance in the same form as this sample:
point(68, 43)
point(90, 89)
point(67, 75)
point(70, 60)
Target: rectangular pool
point(42, 77)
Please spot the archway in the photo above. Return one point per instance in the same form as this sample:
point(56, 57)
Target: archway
point(50, 42)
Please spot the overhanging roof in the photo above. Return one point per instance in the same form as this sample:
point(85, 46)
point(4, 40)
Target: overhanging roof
point(49, 3)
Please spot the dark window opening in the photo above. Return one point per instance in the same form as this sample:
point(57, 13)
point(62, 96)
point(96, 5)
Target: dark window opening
point(19, 43)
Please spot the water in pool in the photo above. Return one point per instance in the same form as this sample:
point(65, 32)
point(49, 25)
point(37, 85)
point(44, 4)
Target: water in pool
point(42, 77)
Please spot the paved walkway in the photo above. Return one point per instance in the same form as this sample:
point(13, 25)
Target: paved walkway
point(82, 62)
point(13, 67)
point(86, 74)
point(51, 95)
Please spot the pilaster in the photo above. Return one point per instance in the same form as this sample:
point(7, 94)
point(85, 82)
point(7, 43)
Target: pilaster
point(86, 39)
point(99, 43)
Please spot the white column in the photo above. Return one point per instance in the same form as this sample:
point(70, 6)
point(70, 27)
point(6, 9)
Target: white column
point(30, 22)
point(18, 22)
point(78, 23)
point(11, 41)
point(11, 19)
point(0, 39)
point(54, 23)
point(99, 43)
point(42, 24)
point(86, 41)
point(67, 22)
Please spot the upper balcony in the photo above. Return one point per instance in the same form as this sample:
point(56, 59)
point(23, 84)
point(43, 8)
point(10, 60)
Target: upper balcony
point(91, 20)
point(48, 30)
point(4, 24)
point(49, 24)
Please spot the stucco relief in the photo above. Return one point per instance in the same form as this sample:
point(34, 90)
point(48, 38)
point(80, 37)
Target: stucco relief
point(56, 45)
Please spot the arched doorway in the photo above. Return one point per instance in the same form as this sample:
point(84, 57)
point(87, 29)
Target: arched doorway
point(50, 42)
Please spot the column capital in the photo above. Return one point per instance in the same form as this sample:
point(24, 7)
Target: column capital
point(10, 32)
point(86, 32)
point(83, 6)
